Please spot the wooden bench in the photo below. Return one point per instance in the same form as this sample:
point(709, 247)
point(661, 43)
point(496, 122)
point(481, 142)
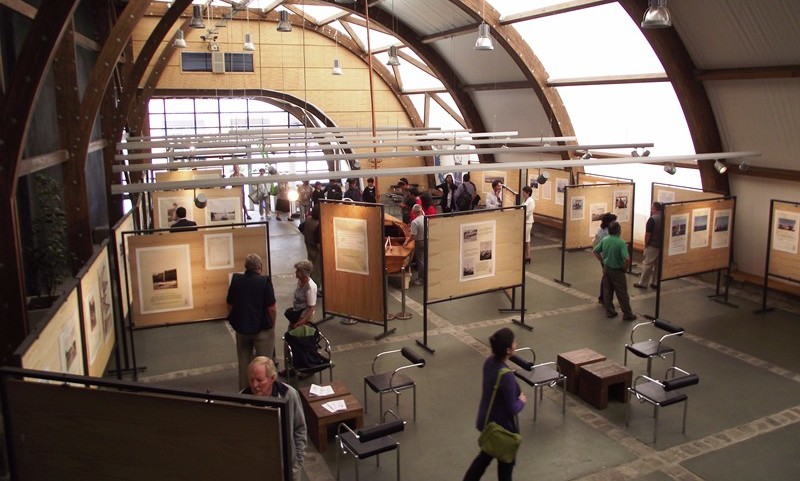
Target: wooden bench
point(319, 420)
point(599, 379)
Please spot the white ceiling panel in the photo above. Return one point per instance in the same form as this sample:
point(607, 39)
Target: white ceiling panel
point(478, 67)
point(759, 115)
point(513, 110)
point(739, 33)
point(427, 17)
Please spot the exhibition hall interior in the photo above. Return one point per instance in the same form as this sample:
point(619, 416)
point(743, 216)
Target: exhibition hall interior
point(382, 198)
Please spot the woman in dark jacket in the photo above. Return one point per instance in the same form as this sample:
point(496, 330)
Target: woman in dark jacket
point(448, 189)
point(507, 403)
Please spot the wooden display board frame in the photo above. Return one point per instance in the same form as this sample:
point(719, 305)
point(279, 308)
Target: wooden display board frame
point(454, 269)
point(547, 206)
point(209, 286)
point(582, 178)
point(84, 428)
point(353, 262)
point(56, 345)
point(97, 312)
point(580, 215)
point(783, 250)
point(227, 198)
point(667, 193)
point(681, 255)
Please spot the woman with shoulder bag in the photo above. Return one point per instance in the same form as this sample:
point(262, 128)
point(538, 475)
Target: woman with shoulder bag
point(501, 400)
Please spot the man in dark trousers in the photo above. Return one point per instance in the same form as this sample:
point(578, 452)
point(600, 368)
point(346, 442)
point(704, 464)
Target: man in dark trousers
point(252, 313)
point(182, 224)
point(652, 248)
point(613, 253)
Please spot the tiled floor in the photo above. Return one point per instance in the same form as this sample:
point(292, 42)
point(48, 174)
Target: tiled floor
point(744, 415)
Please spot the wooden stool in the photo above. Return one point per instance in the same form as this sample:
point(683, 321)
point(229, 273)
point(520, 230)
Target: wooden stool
point(599, 379)
point(569, 364)
point(319, 419)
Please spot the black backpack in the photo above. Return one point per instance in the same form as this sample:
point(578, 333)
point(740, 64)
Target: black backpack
point(464, 200)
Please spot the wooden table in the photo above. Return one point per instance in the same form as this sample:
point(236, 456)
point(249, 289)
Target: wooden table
point(599, 379)
point(570, 363)
point(319, 420)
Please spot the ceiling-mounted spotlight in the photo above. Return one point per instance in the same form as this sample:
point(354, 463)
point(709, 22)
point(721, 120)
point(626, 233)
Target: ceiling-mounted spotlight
point(248, 43)
point(180, 40)
point(645, 153)
point(394, 60)
point(197, 17)
point(201, 200)
point(744, 166)
point(543, 176)
point(284, 25)
point(634, 153)
point(337, 67)
point(720, 166)
point(670, 169)
point(657, 15)
point(484, 41)
point(586, 156)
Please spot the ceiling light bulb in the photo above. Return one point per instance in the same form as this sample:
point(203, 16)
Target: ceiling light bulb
point(394, 61)
point(180, 40)
point(248, 43)
point(720, 166)
point(283, 24)
point(657, 15)
point(484, 41)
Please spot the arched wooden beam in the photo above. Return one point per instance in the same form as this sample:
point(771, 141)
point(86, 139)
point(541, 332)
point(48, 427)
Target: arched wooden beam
point(691, 93)
point(17, 108)
point(76, 196)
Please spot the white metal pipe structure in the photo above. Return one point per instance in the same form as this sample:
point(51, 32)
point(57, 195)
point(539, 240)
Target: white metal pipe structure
point(373, 141)
point(202, 150)
point(406, 171)
point(337, 130)
point(340, 156)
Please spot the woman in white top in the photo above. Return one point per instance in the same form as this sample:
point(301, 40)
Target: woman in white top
point(530, 204)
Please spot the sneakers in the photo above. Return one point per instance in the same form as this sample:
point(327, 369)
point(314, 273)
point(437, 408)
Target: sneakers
point(629, 317)
point(610, 314)
point(349, 322)
point(640, 286)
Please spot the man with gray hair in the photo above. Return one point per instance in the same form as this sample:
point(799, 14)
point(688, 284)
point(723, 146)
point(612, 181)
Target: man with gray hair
point(262, 382)
point(252, 313)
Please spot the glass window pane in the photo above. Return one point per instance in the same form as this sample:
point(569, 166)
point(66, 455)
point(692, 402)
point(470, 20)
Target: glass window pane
point(179, 105)
point(155, 106)
point(206, 105)
point(176, 121)
point(157, 122)
point(255, 105)
point(205, 121)
point(233, 105)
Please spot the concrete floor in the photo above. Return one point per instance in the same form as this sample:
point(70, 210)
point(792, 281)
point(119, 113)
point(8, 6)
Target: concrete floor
point(744, 415)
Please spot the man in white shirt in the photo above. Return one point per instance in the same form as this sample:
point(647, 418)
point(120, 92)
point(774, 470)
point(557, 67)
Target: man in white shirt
point(495, 198)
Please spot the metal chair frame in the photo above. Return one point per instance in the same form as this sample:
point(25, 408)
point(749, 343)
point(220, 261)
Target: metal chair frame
point(367, 442)
point(538, 376)
point(403, 382)
point(661, 394)
point(290, 367)
point(650, 348)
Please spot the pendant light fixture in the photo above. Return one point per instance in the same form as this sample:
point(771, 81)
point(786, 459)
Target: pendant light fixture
point(394, 60)
point(248, 39)
point(670, 168)
point(180, 40)
point(337, 66)
point(283, 24)
point(657, 15)
point(484, 41)
point(197, 17)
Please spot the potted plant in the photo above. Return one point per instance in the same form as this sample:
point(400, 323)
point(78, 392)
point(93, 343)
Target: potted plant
point(48, 253)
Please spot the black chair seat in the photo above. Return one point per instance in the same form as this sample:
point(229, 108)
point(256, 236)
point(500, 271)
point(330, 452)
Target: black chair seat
point(649, 348)
point(539, 375)
point(656, 394)
point(385, 382)
point(363, 450)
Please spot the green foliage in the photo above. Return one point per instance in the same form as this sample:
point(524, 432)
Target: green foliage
point(49, 253)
